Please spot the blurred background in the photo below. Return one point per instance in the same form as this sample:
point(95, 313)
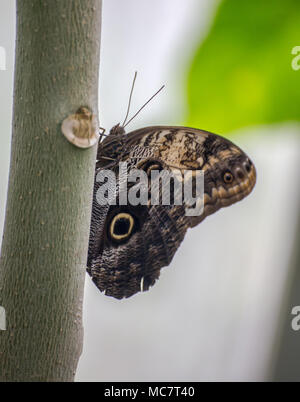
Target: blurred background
point(222, 309)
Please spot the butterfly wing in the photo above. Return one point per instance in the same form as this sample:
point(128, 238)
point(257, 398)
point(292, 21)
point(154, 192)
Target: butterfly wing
point(123, 269)
point(130, 244)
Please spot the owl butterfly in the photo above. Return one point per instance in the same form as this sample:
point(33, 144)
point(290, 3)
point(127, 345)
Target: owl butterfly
point(129, 244)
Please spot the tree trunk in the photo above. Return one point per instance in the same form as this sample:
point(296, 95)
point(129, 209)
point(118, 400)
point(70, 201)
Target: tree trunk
point(44, 249)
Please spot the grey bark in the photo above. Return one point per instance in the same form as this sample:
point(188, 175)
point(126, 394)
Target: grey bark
point(45, 241)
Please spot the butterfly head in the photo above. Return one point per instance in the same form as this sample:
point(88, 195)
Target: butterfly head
point(117, 130)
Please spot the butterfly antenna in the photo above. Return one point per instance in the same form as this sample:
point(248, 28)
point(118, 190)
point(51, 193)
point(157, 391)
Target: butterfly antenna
point(130, 96)
point(145, 104)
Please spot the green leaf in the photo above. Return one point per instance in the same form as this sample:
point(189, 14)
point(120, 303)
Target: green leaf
point(242, 73)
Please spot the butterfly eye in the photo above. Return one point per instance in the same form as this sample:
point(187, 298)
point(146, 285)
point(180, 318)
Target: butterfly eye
point(121, 226)
point(228, 177)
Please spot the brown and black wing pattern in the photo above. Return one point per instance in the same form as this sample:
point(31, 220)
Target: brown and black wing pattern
point(121, 267)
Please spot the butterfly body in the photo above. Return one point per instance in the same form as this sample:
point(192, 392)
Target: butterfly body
point(130, 244)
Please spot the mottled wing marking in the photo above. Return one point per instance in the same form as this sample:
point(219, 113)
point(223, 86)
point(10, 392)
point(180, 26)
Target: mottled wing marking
point(121, 270)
